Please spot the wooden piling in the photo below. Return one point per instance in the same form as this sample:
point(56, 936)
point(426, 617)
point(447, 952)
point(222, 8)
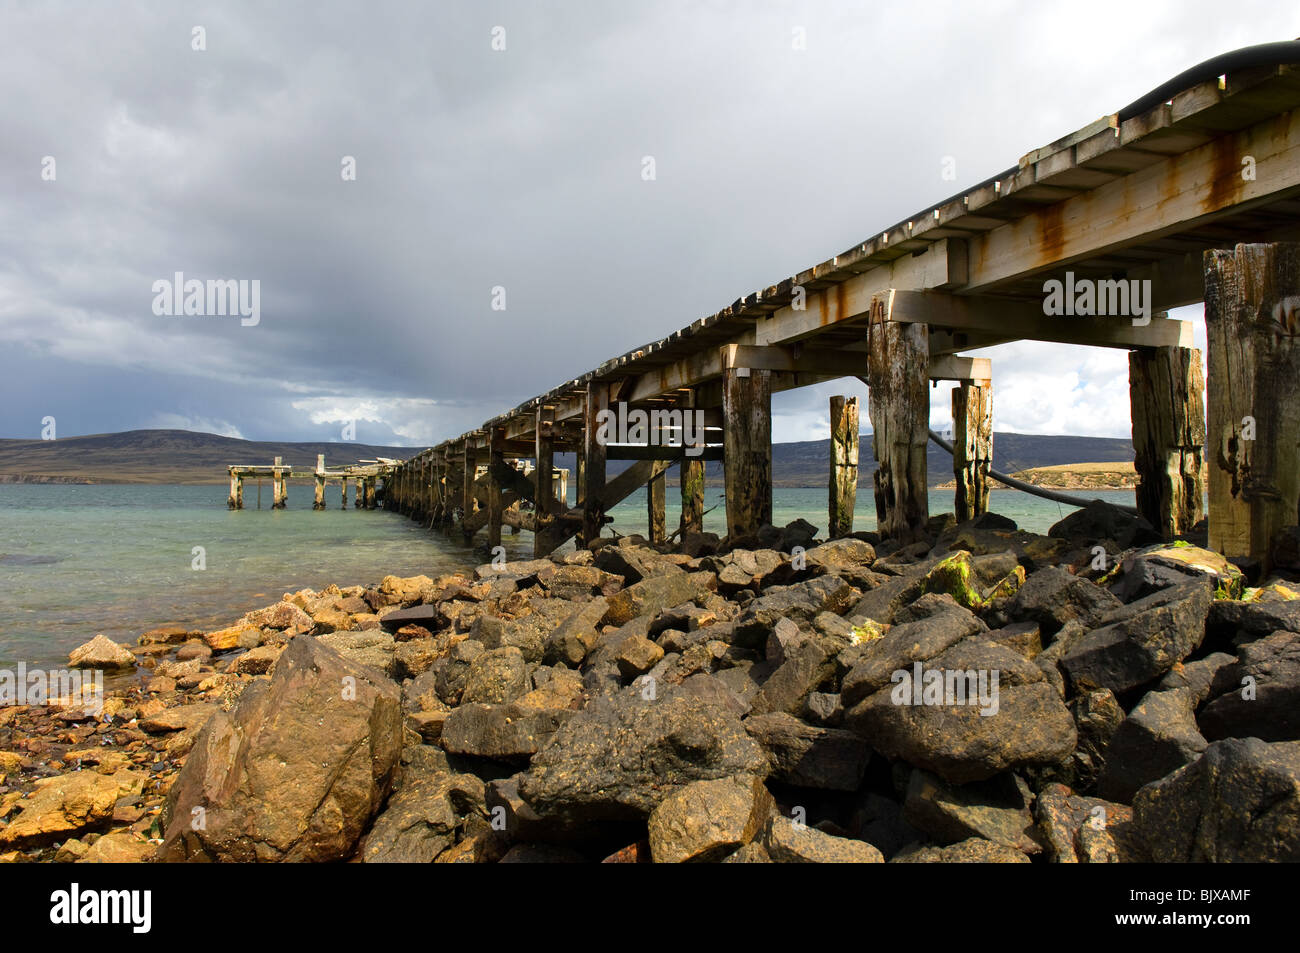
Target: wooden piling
point(279, 490)
point(844, 465)
point(496, 457)
point(239, 492)
point(370, 492)
point(899, 404)
point(747, 448)
point(467, 489)
point(593, 457)
point(232, 502)
point(1252, 317)
point(344, 492)
point(691, 478)
point(656, 498)
point(1168, 411)
point(546, 505)
point(319, 502)
point(972, 446)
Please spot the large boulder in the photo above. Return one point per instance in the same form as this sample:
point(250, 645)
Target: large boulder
point(1139, 642)
point(295, 771)
point(996, 809)
point(1072, 827)
point(801, 602)
point(968, 713)
point(501, 732)
point(1236, 622)
point(634, 563)
point(1262, 697)
point(67, 805)
point(421, 819)
point(1158, 736)
point(101, 652)
point(1052, 597)
point(574, 583)
point(973, 850)
point(655, 594)
point(1238, 803)
point(1099, 521)
point(875, 661)
point(787, 842)
point(809, 755)
point(372, 647)
point(569, 643)
point(495, 677)
point(624, 753)
point(810, 667)
point(707, 820)
point(1149, 570)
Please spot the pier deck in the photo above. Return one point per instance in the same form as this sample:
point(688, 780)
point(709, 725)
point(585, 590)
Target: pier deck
point(1192, 193)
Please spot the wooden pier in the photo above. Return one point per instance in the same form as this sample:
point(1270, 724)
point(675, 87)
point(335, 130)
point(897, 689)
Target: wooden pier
point(365, 476)
point(1193, 192)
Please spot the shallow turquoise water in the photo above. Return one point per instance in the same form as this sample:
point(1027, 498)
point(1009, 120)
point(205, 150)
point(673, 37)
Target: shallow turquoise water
point(78, 560)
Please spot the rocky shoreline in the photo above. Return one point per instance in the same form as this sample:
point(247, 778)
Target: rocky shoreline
point(985, 694)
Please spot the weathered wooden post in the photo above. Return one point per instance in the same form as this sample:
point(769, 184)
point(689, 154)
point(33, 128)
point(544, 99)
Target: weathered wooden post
point(691, 479)
point(656, 499)
point(239, 492)
point(898, 400)
point(972, 446)
point(279, 492)
point(344, 494)
point(593, 461)
point(579, 474)
point(435, 488)
point(429, 491)
point(1168, 411)
point(467, 489)
point(370, 492)
point(747, 448)
point(496, 458)
point(1252, 318)
point(844, 465)
point(232, 501)
point(545, 506)
point(319, 503)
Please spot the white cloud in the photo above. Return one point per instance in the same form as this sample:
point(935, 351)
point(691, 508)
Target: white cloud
point(170, 421)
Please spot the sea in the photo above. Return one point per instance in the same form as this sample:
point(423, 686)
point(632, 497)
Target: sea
point(78, 560)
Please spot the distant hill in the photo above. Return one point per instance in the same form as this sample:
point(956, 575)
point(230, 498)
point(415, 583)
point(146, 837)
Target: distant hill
point(163, 456)
point(183, 456)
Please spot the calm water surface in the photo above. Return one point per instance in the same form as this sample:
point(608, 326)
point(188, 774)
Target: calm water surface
point(79, 560)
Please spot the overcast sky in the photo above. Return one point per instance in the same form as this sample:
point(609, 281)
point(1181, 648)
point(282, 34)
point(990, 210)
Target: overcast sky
point(521, 168)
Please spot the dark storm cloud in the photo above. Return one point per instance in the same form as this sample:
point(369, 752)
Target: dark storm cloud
point(479, 168)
